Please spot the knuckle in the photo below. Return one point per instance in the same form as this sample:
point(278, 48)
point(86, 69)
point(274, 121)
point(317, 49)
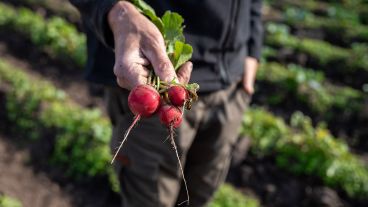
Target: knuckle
point(158, 42)
point(118, 69)
point(121, 83)
point(164, 66)
point(153, 36)
point(185, 79)
point(153, 43)
point(165, 70)
point(121, 69)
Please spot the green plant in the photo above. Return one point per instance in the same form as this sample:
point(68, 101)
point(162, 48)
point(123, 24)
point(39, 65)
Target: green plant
point(55, 35)
point(353, 11)
point(309, 87)
point(227, 196)
point(326, 55)
point(6, 201)
point(61, 8)
point(304, 149)
point(349, 30)
point(82, 135)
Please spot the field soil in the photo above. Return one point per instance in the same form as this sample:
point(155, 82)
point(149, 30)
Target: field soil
point(21, 177)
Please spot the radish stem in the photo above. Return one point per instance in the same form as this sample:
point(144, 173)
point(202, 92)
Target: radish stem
point(158, 83)
point(171, 128)
point(136, 119)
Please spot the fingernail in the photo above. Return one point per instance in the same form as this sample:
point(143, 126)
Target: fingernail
point(190, 64)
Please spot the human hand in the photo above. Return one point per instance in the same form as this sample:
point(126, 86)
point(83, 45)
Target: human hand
point(250, 72)
point(139, 43)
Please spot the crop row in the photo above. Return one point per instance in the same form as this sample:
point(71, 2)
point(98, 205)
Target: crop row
point(309, 87)
point(35, 106)
point(55, 35)
point(324, 54)
point(349, 31)
point(303, 149)
point(58, 7)
point(82, 135)
point(353, 11)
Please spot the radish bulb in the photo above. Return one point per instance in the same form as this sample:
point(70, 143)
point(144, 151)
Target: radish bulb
point(170, 115)
point(177, 95)
point(143, 101)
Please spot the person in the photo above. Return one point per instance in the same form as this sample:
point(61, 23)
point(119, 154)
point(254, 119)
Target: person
point(226, 37)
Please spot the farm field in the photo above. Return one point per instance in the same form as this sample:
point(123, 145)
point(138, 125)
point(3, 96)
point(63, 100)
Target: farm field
point(307, 127)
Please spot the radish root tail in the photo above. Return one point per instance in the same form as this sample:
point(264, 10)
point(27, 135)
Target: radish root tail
point(136, 119)
point(171, 128)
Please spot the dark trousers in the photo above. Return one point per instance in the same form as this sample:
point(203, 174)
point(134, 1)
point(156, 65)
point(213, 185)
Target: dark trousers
point(147, 165)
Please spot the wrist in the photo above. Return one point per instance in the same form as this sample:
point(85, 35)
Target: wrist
point(251, 63)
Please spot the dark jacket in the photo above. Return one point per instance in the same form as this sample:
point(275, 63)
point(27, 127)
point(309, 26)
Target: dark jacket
point(222, 33)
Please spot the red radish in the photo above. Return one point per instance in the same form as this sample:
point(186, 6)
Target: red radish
point(170, 115)
point(177, 95)
point(143, 101)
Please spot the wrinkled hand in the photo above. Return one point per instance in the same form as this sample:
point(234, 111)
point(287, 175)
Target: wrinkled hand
point(250, 71)
point(139, 43)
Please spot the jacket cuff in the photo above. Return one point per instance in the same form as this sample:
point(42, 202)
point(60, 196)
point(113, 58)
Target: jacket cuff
point(255, 42)
point(103, 30)
point(255, 49)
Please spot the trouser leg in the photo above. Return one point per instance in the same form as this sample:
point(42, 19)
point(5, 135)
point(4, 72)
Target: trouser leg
point(208, 158)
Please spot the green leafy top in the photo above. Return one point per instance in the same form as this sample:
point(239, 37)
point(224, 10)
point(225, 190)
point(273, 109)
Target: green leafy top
point(171, 27)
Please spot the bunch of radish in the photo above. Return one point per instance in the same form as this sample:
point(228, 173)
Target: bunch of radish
point(168, 100)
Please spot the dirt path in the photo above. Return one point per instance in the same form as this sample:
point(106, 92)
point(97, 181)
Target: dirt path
point(37, 185)
point(18, 180)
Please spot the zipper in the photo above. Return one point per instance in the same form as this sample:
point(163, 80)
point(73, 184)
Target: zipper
point(234, 14)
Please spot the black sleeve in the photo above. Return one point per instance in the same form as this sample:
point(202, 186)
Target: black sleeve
point(256, 30)
point(94, 16)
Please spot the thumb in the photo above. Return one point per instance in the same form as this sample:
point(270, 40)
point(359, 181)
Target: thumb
point(248, 87)
point(250, 71)
point(184, 72)
point(248, 83)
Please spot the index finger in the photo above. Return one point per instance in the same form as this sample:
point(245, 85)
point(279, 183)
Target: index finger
point(156, 54)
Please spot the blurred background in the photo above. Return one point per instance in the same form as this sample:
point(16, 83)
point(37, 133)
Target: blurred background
point(303, 142)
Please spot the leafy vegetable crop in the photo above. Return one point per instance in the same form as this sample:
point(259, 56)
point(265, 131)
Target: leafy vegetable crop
point(6, 201)
point(304, 149)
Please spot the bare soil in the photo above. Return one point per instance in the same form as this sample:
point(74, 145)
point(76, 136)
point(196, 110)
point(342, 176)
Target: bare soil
point(18, 180)
point(21, 177)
